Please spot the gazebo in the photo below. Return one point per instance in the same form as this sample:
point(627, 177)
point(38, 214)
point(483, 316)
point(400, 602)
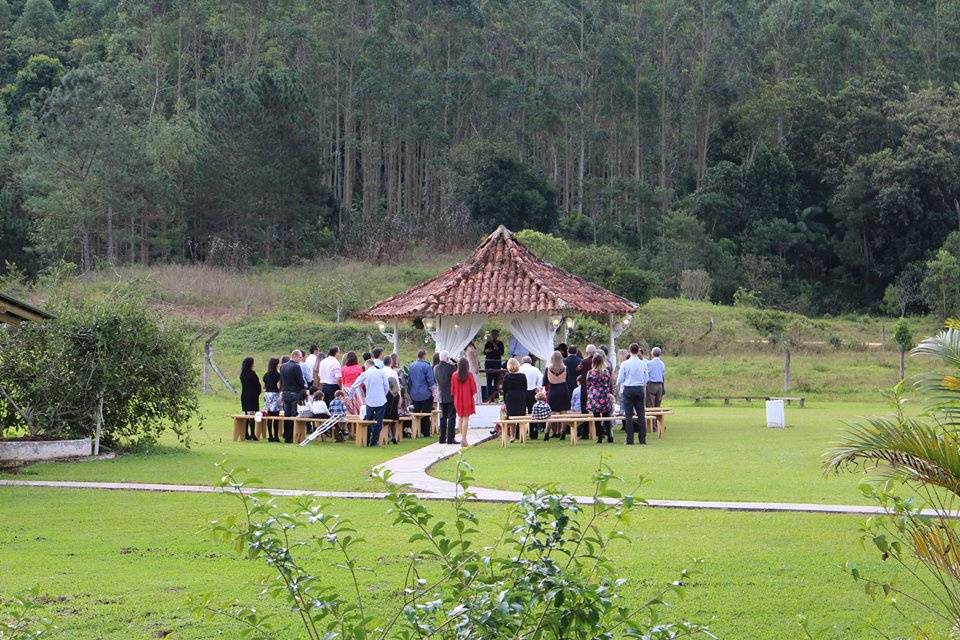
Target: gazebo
point(501, 278)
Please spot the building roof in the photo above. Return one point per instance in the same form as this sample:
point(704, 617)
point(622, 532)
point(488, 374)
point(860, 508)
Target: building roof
point(12, 311)
point(501, 276)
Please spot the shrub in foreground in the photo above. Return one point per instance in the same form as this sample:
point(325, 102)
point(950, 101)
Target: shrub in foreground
point(546, 575)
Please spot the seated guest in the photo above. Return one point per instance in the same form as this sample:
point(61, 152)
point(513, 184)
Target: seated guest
point(338, 406)
point(318, 407)
point(515, 390)
point(303, 405)
point(540, 411)
point(249, 394)
point(534, 379)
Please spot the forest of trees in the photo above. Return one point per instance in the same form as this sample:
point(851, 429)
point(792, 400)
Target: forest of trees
point(806, 151)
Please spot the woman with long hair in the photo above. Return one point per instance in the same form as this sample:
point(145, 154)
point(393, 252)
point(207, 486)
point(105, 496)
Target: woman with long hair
point(349, 373)
point(558, 391)
point(471, 354)
point(249, 394)
point(271, 398)
point(463, 388)
point(599, 392)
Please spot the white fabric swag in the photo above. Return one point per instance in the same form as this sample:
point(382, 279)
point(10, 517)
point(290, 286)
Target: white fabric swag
point(536, 333)
point(454, 333)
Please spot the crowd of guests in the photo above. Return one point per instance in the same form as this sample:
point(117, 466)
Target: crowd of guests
point(371, 386)
point(377, 388)
point(590, 384)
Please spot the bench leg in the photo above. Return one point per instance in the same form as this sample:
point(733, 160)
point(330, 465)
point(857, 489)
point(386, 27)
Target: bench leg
point(661, 425)
point(299, 432)
point(593, 430)
point(239, 429)
point(360, 435)
point(573, 433)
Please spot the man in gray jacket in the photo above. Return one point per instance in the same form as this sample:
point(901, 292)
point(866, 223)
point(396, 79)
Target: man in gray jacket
point(443, 372)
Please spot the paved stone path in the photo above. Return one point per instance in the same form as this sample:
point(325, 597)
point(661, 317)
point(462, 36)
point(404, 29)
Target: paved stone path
point(412, 469)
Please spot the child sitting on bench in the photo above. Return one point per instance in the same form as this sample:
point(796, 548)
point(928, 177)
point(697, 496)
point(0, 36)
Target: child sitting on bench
point(540, 411)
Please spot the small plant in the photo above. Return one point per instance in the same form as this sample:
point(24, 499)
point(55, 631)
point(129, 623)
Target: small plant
point(21, 619)
point(836, 342)
point(546, 575)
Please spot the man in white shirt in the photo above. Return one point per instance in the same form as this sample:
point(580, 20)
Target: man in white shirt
point(656, 369)
point(632, 379)
point(534, 380)
point(311, 360)
point(377, 387)
point(328, 373)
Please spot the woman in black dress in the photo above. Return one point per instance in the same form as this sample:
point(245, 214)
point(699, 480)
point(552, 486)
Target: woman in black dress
point(515, 390)
point(558, 391)
point(249, 394)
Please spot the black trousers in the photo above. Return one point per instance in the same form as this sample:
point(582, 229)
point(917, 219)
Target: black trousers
point(633, 400)
point(289, 411)
point(329, 391)
point(423, 406)
point(493, 379)
point(448, 423)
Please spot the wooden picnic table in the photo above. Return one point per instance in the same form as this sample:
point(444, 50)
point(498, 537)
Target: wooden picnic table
point(519, 428)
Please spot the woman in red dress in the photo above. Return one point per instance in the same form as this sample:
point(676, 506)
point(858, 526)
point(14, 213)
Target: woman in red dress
point(463, 388)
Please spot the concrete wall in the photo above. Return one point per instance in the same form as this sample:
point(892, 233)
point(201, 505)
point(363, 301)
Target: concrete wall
point(32, 451)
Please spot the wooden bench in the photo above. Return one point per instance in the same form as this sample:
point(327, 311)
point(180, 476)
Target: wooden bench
point(434, 423)
point(519, 428)
point(356, 427)
point(726, 399)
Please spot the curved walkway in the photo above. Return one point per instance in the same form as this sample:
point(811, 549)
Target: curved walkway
point(412, 469)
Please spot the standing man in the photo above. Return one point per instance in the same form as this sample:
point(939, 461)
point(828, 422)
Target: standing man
point(493, 359)
point(292, 383)
point(443, 372)
point(422, 382)
point(306, 365)
point(572, 363)
point(632, 379)
point(312, 360)
point(655, 369)
point(582, 371)
point(328, 373)
point(377, 357)
point(534, 380)
point(376, 386)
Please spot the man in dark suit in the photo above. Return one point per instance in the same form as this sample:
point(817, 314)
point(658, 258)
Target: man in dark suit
point(292, 383)
point(572, 363)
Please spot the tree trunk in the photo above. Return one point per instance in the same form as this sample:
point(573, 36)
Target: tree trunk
point(111, 247)
point(902, 364)
point(786, 370)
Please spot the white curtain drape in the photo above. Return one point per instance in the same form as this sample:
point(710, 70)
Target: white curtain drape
point(536, 332)
point(454, 333)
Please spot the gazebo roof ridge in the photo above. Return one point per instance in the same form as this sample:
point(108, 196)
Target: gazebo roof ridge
point(500, 277)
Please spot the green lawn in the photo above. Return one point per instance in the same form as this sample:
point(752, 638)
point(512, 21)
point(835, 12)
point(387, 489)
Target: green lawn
point(122, 564)
point(708, 453)
point(327, 465)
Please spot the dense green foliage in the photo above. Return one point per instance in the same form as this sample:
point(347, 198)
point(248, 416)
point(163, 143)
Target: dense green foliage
point(807, 151)
point(56, 372)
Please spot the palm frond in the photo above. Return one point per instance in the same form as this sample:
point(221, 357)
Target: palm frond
point(945, 346)
point(911, 449)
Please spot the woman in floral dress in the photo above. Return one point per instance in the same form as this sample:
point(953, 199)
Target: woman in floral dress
point(599, 393)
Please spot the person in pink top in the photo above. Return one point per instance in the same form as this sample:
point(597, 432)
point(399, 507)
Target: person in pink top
point(349, 373)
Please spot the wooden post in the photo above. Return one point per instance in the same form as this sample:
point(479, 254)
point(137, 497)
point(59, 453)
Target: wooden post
point(99, 427)
point(786, 370)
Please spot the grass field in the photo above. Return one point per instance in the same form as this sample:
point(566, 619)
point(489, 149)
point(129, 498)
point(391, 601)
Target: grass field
point(708, 453)
point(331, 466)
point(121, 565)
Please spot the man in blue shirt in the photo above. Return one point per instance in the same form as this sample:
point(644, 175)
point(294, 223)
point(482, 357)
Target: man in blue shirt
point(422, 382)
point(631, 380)
point(655, 369)
point(377, 387)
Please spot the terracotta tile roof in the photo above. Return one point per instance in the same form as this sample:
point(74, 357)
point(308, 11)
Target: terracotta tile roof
point(501, 276)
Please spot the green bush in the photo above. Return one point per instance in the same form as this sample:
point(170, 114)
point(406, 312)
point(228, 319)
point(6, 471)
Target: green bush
point(56, 371)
